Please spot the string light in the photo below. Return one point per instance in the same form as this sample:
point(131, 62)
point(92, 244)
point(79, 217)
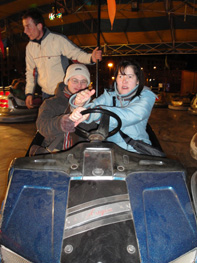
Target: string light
point(51, 16)
point(55, 13)
point(59, 15)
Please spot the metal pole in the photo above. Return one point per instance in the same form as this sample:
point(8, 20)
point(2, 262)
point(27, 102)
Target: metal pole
point(8, 64)
point(2, 67)
point(98, 45)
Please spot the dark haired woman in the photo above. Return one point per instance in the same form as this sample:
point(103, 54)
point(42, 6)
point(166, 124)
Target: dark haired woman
point(130, 100)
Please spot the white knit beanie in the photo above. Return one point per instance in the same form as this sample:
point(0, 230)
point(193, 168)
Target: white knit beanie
point(77, 69)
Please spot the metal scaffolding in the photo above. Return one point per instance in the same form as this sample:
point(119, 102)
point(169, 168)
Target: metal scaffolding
point(147, 49)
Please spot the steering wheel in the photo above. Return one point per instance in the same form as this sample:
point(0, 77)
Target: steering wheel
point(102, 131)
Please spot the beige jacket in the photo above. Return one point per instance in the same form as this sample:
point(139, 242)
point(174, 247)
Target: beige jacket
point(50, 57)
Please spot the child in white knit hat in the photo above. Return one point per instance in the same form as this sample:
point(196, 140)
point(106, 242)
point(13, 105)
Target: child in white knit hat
point(54, 122)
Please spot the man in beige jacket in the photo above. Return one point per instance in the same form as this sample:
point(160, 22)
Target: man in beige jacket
point(49, 54)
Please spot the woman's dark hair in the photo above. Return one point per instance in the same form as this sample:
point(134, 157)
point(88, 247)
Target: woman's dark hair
point(35, 15)
point(137, 70)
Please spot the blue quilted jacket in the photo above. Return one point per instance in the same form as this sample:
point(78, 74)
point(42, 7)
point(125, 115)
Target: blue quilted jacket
point(133, 114)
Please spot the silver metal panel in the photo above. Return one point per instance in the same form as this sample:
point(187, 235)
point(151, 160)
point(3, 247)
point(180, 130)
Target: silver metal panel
point(97, 202)
point(96, 224)
point(9, 256)
point(190, 257)
point(97, 213)
point(103, 163)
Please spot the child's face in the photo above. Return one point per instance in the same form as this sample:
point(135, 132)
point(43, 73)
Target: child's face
point(77, 83)
point(126, 82)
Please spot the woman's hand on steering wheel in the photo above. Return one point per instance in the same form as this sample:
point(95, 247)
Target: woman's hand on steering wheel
point(77, 117)
point(83, 96)
point(102, 131)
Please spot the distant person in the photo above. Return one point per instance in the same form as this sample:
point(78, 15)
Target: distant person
point(18, 88)
point(48, 54)
point(54, 121)
point(14, 81)
point(130, 100)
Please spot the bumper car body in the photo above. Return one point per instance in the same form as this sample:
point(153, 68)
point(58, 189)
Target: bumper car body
point(193, 107)
point(96, 202)
point(180, 103)
point(13, 109)
point(160, 101)
point(68, 207)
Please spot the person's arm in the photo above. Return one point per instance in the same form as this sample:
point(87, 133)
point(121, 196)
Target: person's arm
point(131, 114)
point(100, 102)
point(77, 117)
point(96, 55)
point(29, 88)
point(136, 111)
point(29, 101)
point(49, 123)
point(83, 97)
point(73, 52)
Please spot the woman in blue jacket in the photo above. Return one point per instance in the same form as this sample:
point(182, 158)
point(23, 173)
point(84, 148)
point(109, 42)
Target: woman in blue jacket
point(130, 100)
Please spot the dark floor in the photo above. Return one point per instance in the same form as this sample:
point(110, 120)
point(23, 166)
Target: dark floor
point(174, 130)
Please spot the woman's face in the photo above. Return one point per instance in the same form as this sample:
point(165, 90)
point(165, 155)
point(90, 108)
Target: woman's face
point(126, 82)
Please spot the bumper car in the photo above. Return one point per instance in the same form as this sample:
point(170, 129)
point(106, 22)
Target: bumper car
point(97, 202)
point(179, 103)
point(13, 108)
point(193, 146)
point(193, 107)
point(160, 101)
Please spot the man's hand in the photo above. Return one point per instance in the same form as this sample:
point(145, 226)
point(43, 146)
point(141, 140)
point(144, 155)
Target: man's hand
point(77, 117)
point(83, 96)
point(29, 101)
point(96, 55)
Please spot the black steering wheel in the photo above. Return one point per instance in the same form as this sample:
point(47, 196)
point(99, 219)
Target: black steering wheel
point(102, 131)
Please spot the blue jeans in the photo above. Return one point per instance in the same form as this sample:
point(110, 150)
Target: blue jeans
point(46, 96)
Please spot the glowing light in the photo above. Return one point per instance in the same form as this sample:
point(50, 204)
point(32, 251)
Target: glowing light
point(7, 51)
point(3, 103)
point(51, 16)
point(59, 15)
point(110, 65)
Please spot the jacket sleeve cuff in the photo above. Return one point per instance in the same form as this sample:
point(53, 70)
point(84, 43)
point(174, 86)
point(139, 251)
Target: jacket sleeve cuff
point(92, 61)
point(72, 102)
point(28, 94)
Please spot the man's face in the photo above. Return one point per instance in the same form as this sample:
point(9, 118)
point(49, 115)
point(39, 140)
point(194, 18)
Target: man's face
point(32, 30)
point(77, 83)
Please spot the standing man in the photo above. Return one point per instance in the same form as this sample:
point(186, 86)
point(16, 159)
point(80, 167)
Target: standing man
point(49, 53)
